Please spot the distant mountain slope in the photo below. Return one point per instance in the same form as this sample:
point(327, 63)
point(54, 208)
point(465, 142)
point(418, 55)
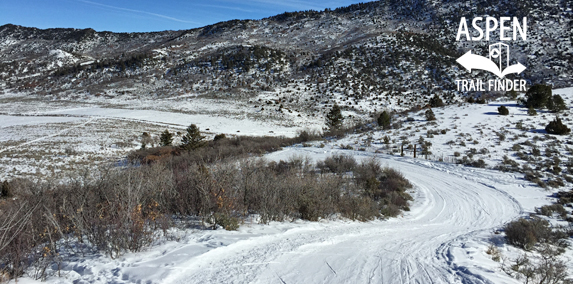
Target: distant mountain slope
point(377, 50)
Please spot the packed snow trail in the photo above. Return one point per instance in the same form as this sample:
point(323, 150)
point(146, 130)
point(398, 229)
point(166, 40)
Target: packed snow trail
point(451, 205)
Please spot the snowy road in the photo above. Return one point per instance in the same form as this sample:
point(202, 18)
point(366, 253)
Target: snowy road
point(442, 239)
point(452, 205)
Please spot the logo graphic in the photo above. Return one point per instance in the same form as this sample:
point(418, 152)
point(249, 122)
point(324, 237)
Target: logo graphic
point(497, 63)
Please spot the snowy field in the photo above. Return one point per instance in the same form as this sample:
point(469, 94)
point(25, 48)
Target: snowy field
point(42, 138)
point(443, 239)
point(209, 123)
point(34, 133)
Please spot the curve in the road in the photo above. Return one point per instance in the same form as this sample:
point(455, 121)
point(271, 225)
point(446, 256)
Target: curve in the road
point(415, 248)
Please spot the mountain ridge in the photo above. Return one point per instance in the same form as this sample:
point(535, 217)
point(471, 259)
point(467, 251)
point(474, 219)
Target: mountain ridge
point(368, 51)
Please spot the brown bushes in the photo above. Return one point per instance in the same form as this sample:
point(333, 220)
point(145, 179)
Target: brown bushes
point(221, 149)
point(548, 210)
point(384, 185)
point(338, 163)
point(526, 233)
point(123, 209)
point(565, 197)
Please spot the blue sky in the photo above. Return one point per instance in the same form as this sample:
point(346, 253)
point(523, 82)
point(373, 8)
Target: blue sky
point(147, 15)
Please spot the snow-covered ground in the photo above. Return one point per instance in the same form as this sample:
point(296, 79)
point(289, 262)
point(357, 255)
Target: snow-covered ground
point(210, 123)
point(42, 138)
point(8, 121)
point(476, 131)
point(441, 240)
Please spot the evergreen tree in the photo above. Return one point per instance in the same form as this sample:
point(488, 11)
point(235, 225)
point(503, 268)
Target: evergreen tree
point(6, 190)
point(511, 94)
point(166, 138)
point(557, 127)
point(334, 118)
point(537, 96)
point(430, 115)
point(531, 111)
point(193, 138)
point(384, 120)
point(556, 104)
point(436, 101)
point(503, 110)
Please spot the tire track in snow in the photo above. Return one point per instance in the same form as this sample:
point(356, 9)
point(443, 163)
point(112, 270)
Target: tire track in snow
point(46, 137)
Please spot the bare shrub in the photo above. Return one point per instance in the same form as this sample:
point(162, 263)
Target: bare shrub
point(6, 190)
point(565, 197)
point(522, 233)
point(337, 163)
point(548, 210)
point(393, 180)
point(494, 252)
point(390, 210)
point(362, 209)
point(545, 268)
point(366, 176)
point(16, 235)
point(384, 185)
point(70, 151)
point(306, 135)
point(526, 233)
point(119, 210)
point(220, 150)
point(280, 190)
point(219, 137)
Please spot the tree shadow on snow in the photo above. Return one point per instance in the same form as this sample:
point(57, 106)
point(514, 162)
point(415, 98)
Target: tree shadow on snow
point(506, 105)
point(540, 131)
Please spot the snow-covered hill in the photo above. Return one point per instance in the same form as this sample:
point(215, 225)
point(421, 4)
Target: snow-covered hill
point(368, 56)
